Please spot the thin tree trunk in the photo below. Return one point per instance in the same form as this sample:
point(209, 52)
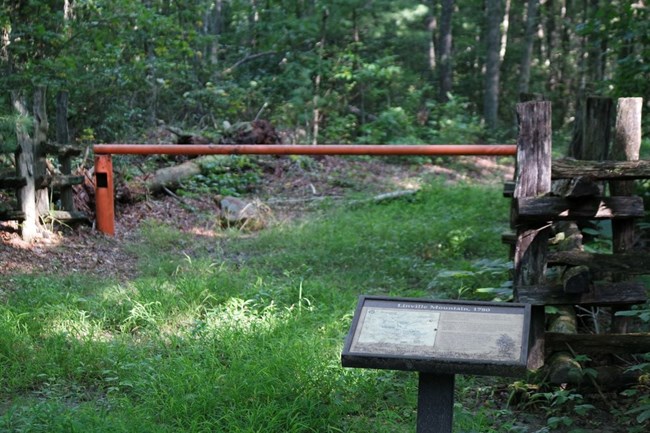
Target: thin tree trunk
point(527, 54)
point(492, 66)
point(317, 80)
point(505, 26)
point(432, 27)
point(626, 147)
point(445, 49)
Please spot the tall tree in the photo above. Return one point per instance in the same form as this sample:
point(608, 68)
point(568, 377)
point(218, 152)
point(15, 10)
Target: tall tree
point(529, 39)
point(492, 63)
point(445, 47)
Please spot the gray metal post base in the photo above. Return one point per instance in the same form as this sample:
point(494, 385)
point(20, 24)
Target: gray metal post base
point(435, 403)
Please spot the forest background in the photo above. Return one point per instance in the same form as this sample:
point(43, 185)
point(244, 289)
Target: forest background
point(340, 71)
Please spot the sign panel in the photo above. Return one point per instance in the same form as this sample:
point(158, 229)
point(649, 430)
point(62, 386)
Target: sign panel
point(439, 336)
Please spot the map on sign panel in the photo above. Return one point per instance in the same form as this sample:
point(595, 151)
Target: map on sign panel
point(390, 331)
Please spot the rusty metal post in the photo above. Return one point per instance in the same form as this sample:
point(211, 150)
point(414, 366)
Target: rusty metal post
point(104, 205)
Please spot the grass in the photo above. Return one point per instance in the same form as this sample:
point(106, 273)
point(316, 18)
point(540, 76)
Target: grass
point(248, 339)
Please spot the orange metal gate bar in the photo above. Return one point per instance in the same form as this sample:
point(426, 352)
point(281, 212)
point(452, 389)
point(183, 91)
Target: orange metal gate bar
point(296, 149)
point(104, 167)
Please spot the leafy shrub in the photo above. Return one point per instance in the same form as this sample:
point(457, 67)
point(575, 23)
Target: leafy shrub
point(230, 175)
point(454, 122)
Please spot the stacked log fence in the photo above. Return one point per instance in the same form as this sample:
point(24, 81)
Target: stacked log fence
point(556, 205)
point(35, 176)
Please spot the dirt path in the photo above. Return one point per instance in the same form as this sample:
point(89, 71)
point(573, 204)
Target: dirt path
point(290, 189)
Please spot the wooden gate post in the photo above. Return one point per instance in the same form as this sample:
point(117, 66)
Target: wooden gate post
point(533, 178)
point(26, 195)
point(63, 138)
point(41, 126)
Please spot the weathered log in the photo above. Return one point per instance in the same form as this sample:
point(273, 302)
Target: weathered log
point(599, 344)
point(58, 181)
point(67, 217)
point(563, 368)
point(575, 188)
point(602, 294)
point(12, 182)
point(576, 279)
point(25, 168)
point(508, 189)
point(529, 209)
point(171, 177)
point(564, 320)
point(601, 170)
point(628, 263)
point(567, 237)
point(62, 150)
point(12, 215)
point(533, 179)
point(41, 126)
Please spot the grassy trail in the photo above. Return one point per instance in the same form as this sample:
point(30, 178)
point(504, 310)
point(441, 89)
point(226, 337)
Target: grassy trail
point(247, 339)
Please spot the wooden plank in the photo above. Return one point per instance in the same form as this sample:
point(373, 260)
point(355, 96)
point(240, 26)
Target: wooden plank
point(12, 215)
point(25, 168)
point(62, 150)
point(600, 170)
point(12, 182)
point(508, 189)
point(58, 181)
point(533, 178)
point(509, 238)
point(41, 126)
point(602, 293)
point(627, 263)
point(575, 188)
point(66, 216)
point(530, 209)
point(598, 343)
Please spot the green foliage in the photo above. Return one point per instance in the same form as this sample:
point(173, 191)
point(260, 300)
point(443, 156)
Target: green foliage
point(453, 122)
point(8, 125)
point(226, 176)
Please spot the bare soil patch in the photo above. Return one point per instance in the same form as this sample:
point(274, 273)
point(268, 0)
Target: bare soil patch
point(289, 187)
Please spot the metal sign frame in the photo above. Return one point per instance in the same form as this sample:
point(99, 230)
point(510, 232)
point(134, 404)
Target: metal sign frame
point(411, 355)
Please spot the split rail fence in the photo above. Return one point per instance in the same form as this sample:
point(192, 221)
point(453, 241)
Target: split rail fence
point(33, 180)
point(552, 203)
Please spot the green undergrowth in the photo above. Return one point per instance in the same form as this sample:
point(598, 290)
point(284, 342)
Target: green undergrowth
point(244, 333)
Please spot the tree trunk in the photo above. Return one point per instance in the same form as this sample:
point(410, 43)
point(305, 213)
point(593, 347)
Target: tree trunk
point(445, 49)
point(213, 28)
point(317, 79)
point(505, 26)
point(529, 40)
point(626, 147)
point(492, 66)
point(432, 27)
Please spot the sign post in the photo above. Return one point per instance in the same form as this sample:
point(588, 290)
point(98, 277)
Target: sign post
point(438, 339)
